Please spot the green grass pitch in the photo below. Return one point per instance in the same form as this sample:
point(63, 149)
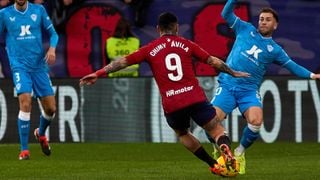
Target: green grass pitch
point(280, 160)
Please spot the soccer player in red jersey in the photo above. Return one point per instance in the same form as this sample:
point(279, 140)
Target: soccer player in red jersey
point(170, 58)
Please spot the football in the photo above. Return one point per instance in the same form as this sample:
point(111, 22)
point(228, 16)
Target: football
point(230, 172)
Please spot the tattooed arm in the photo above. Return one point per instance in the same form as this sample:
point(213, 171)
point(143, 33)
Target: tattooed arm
point(114, 66)
point(223, 67)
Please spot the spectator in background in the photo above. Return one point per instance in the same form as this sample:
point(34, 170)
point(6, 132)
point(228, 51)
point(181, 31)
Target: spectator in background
point(122, 43)
point(140, 9)
point(5, 3)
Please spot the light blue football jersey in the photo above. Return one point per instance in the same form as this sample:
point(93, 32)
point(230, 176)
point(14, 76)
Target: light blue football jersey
point(24, 36)
point(251, 53)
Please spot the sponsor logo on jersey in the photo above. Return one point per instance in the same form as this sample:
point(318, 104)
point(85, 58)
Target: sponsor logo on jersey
point(25, 30)
point(25, 33)
point(173, 92)
point(12, 19)
point(254, 51)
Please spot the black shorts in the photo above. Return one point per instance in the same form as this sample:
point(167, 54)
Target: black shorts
point(201, 113)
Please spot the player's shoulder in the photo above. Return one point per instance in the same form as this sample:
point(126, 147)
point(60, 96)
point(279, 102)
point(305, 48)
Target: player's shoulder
point(7, 9)
point(274, 48)
point(247, 26)
point(275, 45)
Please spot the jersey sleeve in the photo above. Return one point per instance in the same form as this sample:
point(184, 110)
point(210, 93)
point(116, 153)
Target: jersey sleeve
point(230, 17)
point(285, 61)
point(199, 53)
point(297, 70)
point(137, 56)
point(48, 26)
point(228, 14)
point(282, 58)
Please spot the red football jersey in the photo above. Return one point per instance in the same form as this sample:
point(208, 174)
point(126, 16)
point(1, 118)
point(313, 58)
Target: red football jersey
point(170, 58)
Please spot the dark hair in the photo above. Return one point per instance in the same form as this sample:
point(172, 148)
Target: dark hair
point(270, 10)
point(123, 29)
point(167, 21)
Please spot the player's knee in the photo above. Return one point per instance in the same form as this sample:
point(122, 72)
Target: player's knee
point(257, 121)
point(25, 105)
point(211, 124)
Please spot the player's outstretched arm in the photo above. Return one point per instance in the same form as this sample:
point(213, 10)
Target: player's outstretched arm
point(227, 12)
point(114, 66)
point(300, 71)
point(223, 67)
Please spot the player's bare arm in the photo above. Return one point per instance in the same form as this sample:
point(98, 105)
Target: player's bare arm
point(114, 66)
point(51, 56)
point(223, 67)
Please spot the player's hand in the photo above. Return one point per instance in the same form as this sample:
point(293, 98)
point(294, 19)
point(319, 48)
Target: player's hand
point(315, 76)
point(240, 74)
point(88, 79)
point(51, 56)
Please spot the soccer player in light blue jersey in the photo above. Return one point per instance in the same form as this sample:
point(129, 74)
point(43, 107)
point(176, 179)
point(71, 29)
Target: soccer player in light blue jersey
point(252, 52)
point(23, 23)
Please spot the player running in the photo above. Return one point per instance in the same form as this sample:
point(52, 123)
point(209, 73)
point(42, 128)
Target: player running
point(253, 50)
point(170, 58)
point(22, 24)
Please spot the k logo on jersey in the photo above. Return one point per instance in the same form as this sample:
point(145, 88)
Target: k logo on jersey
point(254, 51)
point(25, 30)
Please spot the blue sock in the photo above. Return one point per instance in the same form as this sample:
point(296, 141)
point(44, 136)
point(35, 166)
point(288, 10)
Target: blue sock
point(44, 123)
point(248, 137)
point(24, 129)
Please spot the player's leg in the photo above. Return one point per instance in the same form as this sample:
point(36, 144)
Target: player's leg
point(47, 103)
point(24, 124)
point(200, 114)
point(224, 102)
point(251, 132)
point(251, 108)
point(23, 87)
point(216, 150)
point(216, 131)
point(193, 145)
point(48, 110)
point(179, 121)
